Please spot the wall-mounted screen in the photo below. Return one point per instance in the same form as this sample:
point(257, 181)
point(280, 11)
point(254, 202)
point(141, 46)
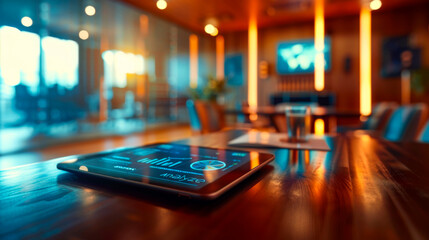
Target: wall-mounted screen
point(295, 57)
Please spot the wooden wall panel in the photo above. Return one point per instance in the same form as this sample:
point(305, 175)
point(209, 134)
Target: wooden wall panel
point(344, 33)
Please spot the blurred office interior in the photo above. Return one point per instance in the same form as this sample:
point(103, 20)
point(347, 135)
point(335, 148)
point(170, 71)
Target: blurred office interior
point(74, 69)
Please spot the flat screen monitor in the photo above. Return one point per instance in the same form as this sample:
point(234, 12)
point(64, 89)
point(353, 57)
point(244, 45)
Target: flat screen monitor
point(297, 57)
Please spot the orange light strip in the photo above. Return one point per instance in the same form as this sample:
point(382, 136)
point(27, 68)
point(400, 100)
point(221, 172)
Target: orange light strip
point(141, 79)
point(319, 44)
point(144, 24)
point(193, 58)
point(220, 57)
point(319, 127)
point(102, 115)
point(103, 104)
point(405, 86)
point(365, 61)
point(254, 160)
point(252, 94)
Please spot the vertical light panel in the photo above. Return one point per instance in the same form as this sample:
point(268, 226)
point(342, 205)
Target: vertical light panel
point(405, 86)
point(103, 104)
point(365, 61)
point(319, 44)
point(144, 24)
point(193, 58)
point(254, 160)
point(141, 48)
point(220, 57)
point(319, 127)
point(252, 94)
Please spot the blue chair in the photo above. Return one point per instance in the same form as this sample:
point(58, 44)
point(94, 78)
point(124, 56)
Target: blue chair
point(194, 120)
point(379, 116)
point(404, 123)
point(376, 121)
point(205, 116)
point(424, 135)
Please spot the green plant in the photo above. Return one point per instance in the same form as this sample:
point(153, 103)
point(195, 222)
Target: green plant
point(210, 91)
point(420, 81)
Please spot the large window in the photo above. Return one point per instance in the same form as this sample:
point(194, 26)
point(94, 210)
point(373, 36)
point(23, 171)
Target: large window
point(60, 62)
point(66, 72)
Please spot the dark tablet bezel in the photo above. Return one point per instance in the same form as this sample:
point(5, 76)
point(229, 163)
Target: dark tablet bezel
point(210, 191)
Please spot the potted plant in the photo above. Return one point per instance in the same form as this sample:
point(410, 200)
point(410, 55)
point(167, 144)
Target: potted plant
point(212, 91)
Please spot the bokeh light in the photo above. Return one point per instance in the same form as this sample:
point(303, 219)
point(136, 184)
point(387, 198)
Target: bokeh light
point(215, 32)
point(210, 29)
point(27, 21)
point(375, 4)
point(83, 34)
point(90, 10)
point(161, 4)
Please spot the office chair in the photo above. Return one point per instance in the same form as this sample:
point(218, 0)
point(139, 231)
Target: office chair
point(193, 116)
point(379, 116)
point(205, 116)
point(424, 135)
point(404, 123)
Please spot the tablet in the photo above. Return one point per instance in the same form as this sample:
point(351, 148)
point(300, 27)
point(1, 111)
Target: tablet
point(187, 170)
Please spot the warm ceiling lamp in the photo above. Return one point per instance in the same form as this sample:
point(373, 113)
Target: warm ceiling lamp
point(375, 4)
point(161, 4)
point(210, 29)
point(27, 21)
point(215, 32)
point(83, 34)
point(90, 10)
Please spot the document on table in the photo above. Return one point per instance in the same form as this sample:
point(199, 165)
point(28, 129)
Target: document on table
point(278, 140)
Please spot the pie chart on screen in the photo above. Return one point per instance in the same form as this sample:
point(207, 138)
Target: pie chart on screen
point(208, 165)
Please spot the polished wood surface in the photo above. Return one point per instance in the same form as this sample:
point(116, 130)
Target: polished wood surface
point(365, 188)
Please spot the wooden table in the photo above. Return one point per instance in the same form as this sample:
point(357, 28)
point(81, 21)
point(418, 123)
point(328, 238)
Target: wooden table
point(276, 115)
point(365, 188)
point(272, 110)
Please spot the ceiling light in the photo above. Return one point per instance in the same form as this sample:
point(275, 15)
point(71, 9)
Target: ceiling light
point(83, 34)
point(90, 10)
point(161, 4)
point(27, 21)
point(209, 28)
point(375, 4)
point(215, 32)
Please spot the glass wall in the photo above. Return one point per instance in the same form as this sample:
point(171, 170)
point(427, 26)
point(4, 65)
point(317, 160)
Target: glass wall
point(79, 68)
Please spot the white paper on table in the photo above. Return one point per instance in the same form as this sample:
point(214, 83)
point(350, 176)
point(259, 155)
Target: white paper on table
point(277, 140)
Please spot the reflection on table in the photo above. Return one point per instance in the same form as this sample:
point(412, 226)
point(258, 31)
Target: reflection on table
point(364, 187)
point(276, 115)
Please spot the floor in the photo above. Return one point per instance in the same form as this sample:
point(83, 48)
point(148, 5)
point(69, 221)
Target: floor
point(158, 134)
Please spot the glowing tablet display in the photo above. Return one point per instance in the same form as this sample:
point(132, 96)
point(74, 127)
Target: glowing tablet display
point(179, 165)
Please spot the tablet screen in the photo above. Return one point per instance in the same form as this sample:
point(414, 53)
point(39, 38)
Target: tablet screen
point(169, 164)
